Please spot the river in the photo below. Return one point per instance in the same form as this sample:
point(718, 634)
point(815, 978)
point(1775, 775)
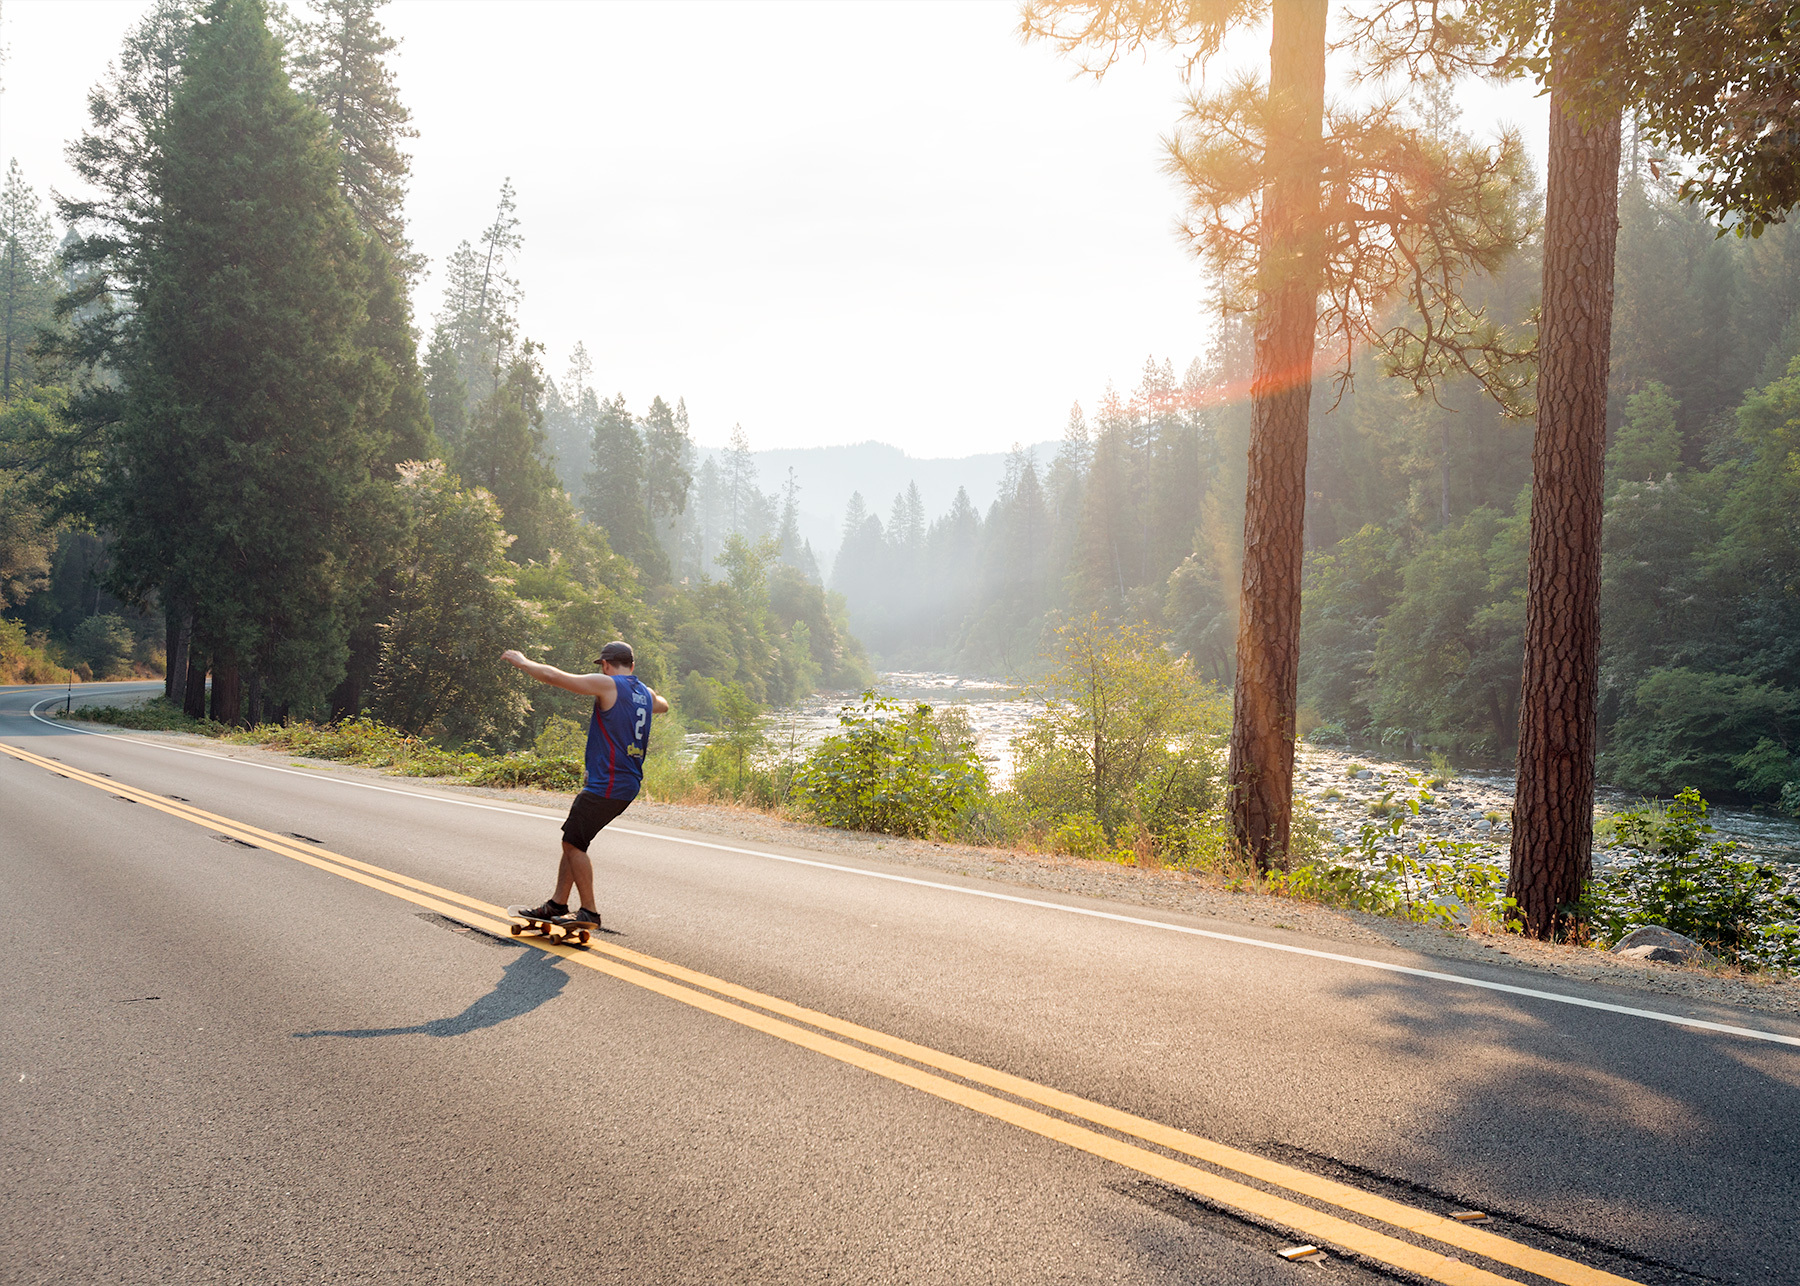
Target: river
point(998, 712)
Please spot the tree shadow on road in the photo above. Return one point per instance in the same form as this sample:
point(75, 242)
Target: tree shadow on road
point(1665, 1145)
point(526, 983)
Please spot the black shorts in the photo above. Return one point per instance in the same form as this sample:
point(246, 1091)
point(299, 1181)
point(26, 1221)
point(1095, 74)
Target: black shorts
point(587, 815)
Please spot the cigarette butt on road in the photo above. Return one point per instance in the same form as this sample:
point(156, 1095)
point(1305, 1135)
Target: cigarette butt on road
point(1300, 1252)
point(1470, 1216)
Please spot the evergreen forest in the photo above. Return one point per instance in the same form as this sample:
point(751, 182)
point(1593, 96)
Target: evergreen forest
point(243, 446)
point(1416, 530)
point(231, 451)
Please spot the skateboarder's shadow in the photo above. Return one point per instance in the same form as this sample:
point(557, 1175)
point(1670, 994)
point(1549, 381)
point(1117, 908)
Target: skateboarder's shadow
point(524, 984)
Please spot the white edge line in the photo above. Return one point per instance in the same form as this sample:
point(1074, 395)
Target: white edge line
point(1409, 970)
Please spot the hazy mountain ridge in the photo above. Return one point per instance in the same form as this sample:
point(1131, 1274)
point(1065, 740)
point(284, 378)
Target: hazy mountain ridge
point(828, 476)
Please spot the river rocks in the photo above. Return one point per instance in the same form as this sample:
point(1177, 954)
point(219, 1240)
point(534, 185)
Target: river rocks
point(1653, 942)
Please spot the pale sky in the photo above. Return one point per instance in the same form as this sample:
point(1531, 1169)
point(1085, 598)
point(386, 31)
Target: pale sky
point(828, 221)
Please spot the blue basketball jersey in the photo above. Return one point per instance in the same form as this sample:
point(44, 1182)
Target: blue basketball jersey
point(617, 740)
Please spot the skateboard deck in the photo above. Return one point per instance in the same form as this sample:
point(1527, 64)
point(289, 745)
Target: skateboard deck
point(555, 930)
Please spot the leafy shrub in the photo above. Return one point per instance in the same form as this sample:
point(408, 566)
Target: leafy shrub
point(1437, 880)
point(1679, 877)
point(561, 739)
point(1328, 733)
point(363, 740)
point(155, 715)
point(544, 772)
point(1128, 734)
point(1080, 835)
point(886, 771)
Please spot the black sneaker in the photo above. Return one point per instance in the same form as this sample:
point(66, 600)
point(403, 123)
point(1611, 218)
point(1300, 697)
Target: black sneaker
point(548, 911)
point(586, 918)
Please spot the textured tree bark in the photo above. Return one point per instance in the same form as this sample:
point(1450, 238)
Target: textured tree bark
point(193, 701)
point(1552, 839)
point(227, 695)
point(1261, 770)
point(178, 626)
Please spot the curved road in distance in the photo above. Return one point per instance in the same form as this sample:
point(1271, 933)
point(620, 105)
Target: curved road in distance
point(263, 1026)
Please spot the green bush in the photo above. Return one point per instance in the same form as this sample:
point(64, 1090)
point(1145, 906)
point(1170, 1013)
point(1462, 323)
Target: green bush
point(155, 715)
point(544, 772)
point(562, 738)
point(1081, 835)
point(1128, 734)
point(886, 771)
point(1679, 877)
point(363, 740)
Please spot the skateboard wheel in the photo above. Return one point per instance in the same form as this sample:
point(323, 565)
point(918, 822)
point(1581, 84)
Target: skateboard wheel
point(517, 930)
point(584, 937)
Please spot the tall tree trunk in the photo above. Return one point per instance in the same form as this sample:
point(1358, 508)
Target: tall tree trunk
point(179, 623)
point(226, 690)
point(193, 701)
point(253, 713)
point(1289, 272)
point(1553, 813)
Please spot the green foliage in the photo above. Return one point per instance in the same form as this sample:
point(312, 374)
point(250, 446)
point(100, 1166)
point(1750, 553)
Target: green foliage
point(888, 771)
point(1676, 875)
point(242, 473)
point(614, 498)
point(154, 715)
point(1692, 727)
point(1435, 881)
point(740, 727)
point(1128, 734)
point(27, 281)
point(1647, 447)
point(104, 644)
point(363, 741)
point(542, 772)
point(455, 612)
point(1448, 659)
point(563, 739)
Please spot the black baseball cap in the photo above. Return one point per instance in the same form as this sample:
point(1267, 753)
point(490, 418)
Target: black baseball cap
point(618, 652)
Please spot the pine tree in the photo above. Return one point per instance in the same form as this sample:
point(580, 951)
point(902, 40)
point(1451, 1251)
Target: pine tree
point(117, 156)
point(27, 278)
point(613, 499)
point(666, 475)
point(244, 480)
point(738, 476)
point(503, 452)
point(341, 63)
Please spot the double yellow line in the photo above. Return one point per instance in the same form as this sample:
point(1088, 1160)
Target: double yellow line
point(858, 1046)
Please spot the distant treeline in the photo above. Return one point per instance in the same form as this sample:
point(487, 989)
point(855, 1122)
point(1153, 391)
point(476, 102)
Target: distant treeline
point(1417, 528)
point(220, 452)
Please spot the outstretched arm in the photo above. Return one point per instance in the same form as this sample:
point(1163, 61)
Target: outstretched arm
point(657, 704)
point(589, 685)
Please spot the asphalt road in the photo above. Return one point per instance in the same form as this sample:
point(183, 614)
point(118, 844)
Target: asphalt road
point(250, 1059)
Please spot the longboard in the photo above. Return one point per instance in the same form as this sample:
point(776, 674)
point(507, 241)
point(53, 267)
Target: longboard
point(555, 930)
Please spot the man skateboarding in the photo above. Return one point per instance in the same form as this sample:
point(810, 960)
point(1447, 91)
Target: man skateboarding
point(618, 733)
